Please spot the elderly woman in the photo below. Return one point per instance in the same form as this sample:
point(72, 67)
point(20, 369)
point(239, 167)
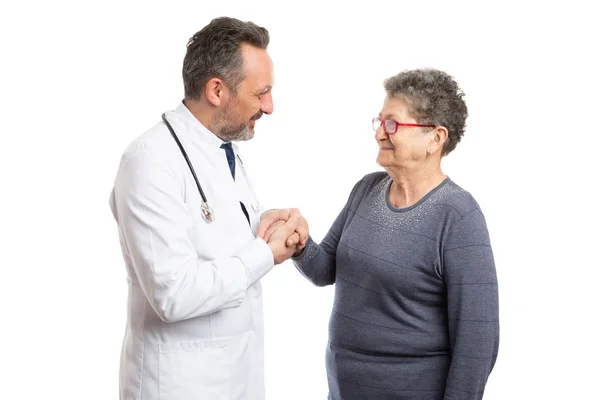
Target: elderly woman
point(415, 313)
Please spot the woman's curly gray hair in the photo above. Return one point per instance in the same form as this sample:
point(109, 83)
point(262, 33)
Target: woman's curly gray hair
point(433, 98)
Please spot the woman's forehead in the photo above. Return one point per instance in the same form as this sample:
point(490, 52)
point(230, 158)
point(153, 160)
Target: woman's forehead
point(395, 107)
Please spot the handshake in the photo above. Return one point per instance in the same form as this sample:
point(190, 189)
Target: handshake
point(285, 231)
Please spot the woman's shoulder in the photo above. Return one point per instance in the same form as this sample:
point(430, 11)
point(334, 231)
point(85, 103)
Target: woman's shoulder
point(374, 177)
point(460, 199)
point(369, 181)
point(366, 186)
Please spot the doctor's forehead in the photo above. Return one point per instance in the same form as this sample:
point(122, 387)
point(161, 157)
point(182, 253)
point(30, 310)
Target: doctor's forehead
point(258, 67)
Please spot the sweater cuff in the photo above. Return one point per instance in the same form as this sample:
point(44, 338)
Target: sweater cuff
point(257, 258)
point(307, 249)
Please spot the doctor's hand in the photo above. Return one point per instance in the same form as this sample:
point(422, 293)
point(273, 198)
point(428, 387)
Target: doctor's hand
point(294, 240)
point(279, 239)
point(273, 219)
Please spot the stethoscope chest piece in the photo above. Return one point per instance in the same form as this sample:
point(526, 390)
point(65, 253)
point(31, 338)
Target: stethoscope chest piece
point(207, 213)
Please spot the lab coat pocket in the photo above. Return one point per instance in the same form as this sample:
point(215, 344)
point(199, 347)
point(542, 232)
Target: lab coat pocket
point(194, 370)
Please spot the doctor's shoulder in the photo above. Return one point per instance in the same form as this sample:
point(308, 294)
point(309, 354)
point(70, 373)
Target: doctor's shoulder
point(153, 148)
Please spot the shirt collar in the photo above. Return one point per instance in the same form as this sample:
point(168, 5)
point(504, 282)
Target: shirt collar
point(193, 130)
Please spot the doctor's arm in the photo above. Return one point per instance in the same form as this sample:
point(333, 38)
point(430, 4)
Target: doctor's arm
point(154, 222)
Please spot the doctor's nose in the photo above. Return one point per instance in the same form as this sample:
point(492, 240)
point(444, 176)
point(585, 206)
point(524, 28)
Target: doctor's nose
point(266, 104)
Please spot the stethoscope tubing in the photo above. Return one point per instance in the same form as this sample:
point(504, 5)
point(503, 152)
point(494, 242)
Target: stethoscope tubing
point(189, 163)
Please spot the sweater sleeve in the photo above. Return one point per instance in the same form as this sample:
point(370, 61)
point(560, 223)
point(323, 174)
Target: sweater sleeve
point(472, 295)
point(317, 261)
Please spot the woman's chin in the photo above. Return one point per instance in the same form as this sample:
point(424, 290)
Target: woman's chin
point(384, 158)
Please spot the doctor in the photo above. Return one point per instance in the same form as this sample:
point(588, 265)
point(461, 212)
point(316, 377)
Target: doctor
point(187, 221)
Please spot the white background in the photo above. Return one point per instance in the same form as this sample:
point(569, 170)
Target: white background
point(80, 80)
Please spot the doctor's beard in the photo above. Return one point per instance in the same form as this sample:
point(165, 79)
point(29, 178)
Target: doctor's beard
point(227, 130)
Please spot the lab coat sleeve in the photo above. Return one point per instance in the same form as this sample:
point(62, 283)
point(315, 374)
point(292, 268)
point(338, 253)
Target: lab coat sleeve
point(154, 223)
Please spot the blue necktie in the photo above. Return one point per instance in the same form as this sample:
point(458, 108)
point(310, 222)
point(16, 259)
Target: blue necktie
point(230, 157)
point(231, 161)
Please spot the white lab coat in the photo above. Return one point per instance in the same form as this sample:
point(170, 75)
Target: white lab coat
point(194, 313)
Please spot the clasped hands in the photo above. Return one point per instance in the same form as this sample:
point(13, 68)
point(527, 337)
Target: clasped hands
point(285, 231)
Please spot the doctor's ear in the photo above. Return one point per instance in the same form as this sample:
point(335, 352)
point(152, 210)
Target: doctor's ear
point(215, 91)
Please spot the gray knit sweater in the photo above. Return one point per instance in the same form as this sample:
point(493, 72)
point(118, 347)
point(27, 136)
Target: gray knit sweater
point(415, 313)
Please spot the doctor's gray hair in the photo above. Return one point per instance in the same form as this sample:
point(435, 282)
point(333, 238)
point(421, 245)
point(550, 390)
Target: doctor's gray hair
point(214, 52)
point(434, 98)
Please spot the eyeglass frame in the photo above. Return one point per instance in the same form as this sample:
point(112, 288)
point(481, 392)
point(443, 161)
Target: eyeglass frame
point(397, 124)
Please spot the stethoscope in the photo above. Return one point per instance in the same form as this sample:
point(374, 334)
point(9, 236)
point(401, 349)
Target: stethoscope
point(207, 211)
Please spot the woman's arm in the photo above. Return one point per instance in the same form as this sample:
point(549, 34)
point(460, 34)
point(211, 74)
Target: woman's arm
point(472, 296)
point(317, 261)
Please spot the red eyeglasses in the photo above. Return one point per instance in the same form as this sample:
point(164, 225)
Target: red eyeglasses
point(390, 126)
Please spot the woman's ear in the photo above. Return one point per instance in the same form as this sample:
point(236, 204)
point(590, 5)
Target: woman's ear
point(440, 136)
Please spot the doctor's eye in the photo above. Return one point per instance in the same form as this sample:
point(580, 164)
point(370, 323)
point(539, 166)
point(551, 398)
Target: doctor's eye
point(260, 95)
